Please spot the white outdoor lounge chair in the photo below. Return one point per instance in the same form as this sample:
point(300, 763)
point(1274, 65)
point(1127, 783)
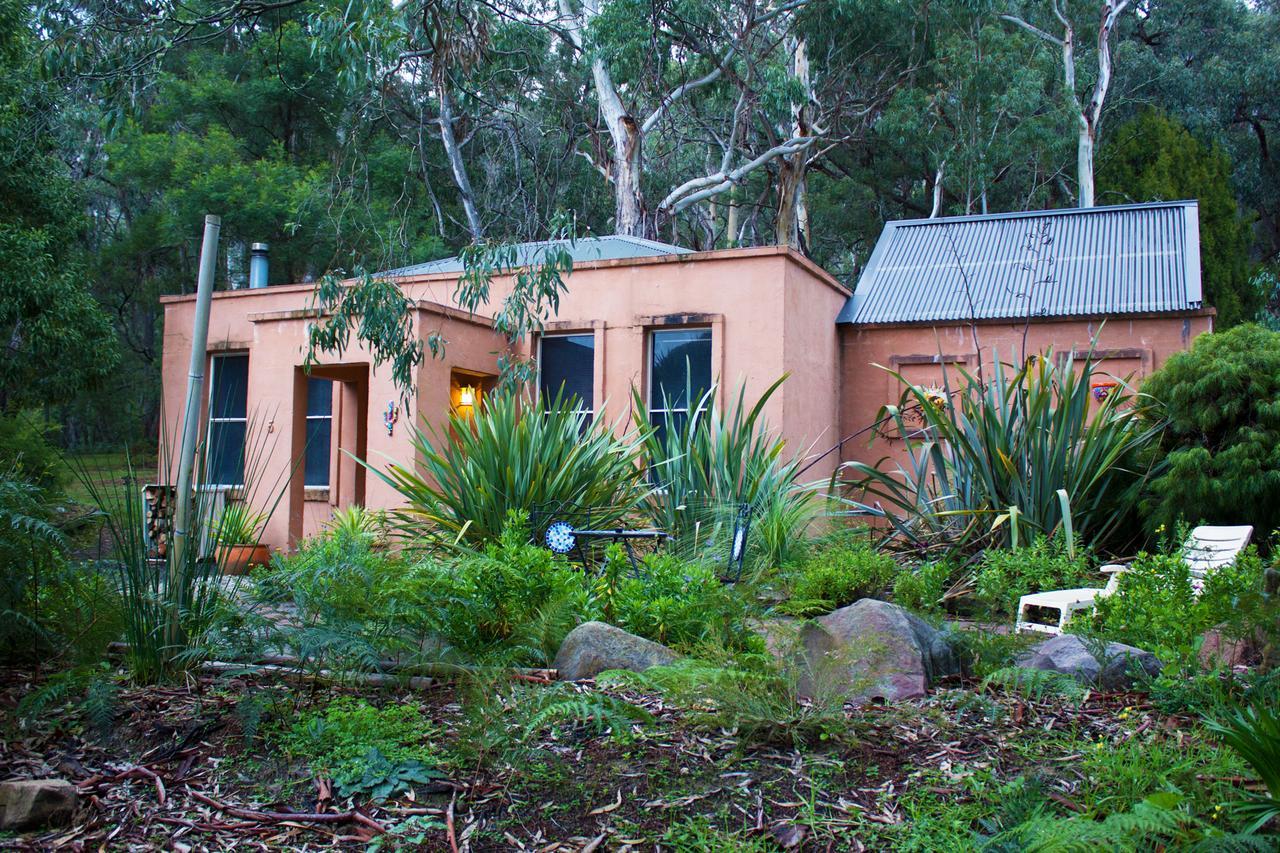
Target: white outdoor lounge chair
point(1207, 548)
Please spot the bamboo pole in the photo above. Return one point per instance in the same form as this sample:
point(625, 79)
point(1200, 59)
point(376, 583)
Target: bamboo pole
point(191, 425)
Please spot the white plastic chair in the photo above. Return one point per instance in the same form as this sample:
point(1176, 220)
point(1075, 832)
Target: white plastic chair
point(1207, 549)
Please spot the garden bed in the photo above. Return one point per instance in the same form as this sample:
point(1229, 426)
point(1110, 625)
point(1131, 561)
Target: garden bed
point(185, 766)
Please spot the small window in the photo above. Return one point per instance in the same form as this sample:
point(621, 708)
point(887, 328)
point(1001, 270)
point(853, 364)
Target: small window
point(567, 366)
point(315, 465)
point(228, 419)
point(679, 374)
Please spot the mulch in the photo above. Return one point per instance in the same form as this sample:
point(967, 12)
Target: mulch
point(170, 775)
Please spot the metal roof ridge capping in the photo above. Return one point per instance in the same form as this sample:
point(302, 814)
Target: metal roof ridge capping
point(607, 247)
point(1071, 262)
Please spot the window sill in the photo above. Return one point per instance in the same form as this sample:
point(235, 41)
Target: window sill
point(316, 493)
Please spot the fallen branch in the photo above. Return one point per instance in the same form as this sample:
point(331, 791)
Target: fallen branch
point(355, 815)
point(448, 824)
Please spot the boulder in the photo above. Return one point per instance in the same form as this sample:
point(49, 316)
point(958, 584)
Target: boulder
point(34, 803)
point(1067, 653)
point(1219, 648)
point(593, 647)
point(874, 650)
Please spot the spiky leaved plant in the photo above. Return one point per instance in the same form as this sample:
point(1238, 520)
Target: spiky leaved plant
point(1033, 439)
point(716, 459)
point(513, 454)
point(1254, 733)
point(165, 622)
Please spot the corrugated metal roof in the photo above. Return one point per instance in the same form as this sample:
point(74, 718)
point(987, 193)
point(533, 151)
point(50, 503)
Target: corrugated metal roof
point(1135, 258)
point(584, 249)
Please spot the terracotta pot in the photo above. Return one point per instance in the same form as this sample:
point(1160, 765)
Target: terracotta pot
point(239, 559)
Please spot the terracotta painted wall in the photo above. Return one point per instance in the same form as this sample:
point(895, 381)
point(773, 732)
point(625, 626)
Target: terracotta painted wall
point(1128, 347)
point(267, 325)
point(769, 310)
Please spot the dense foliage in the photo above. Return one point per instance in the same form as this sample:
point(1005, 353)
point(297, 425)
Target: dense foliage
point(48, 315)
point(510, 456)
point(1021, 453)
point(364, 136)
point(1153, 157)
point(1220, 403)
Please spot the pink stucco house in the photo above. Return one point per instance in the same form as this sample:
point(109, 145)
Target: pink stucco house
point(1127, 276)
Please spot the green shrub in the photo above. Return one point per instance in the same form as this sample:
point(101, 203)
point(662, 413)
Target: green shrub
point(843, 569)
point(1221, 445)
point(718, 459)
point(1155, 608)
point(514, 598)
point(1014, 438)
point(922, 587)
point(672, 601)
point(366, 750)
point(26, 444)
point(512, 455)
point(337, 576)
point(1006, 575)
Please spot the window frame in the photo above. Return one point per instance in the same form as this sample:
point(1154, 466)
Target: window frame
point(308, 418)
point(587, 408)
point(653, 403)
point(211, 419)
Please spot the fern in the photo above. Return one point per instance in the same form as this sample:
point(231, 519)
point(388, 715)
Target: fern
point(85, 690)
point(606, 713)
point(1157, 823)
point(99, 705)
point(757, 700)
point(1037, 685)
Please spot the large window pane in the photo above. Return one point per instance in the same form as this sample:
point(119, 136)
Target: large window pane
point(681, 360)
point(567, 366)
point(315, 464)
point(319, 398)
point(230, 387)
point(228, 419)
point(226, 453)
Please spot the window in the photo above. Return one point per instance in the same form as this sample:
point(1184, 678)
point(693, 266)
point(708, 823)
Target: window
point(228, 419)
point(679, 371)
point(315, 465)
point(567, 366)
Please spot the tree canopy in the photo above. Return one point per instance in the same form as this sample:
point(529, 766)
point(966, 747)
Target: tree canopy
point(369, 134)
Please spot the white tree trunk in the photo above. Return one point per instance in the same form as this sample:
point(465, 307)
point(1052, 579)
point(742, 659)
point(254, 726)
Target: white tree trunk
point(792, 168)
point(1088, 116)
point(1084, 165)
point(449, 136)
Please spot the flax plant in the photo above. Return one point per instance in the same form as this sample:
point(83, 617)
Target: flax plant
point(1021, 454)
point(708, 464)
point(512, 455)
point(166, 627)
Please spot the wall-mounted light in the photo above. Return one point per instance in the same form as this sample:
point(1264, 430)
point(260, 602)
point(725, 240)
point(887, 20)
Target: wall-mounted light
point(467, 396)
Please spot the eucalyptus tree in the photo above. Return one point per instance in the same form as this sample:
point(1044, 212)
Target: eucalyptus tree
point(647, 63)
point(1087, 109)
point(56, 338)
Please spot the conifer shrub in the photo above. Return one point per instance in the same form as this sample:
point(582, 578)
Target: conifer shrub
point(1220, 447)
